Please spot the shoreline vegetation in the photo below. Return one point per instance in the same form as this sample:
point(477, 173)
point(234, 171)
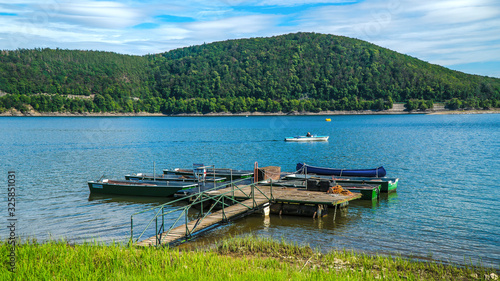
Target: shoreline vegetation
point(244, 114)
point(393, 111)
point(240, 258)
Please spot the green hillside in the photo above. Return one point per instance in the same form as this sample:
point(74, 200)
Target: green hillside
point(294, 72)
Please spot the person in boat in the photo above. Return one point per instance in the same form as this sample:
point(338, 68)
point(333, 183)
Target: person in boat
point(308, 135)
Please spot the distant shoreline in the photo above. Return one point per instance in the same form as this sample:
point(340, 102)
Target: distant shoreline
point(15, 113)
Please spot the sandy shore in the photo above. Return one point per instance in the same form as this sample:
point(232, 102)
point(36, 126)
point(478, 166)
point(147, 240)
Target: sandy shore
point(362, 112)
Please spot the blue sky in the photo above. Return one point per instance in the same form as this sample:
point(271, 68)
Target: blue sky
point(460, 34)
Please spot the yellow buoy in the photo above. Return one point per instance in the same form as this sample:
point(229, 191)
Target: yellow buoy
point(328, 119)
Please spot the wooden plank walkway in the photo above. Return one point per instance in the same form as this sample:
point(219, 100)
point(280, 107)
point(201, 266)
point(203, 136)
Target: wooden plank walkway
point(290, 195)
point(178, 234)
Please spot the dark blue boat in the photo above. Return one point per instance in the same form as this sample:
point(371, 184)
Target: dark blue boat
point(372, 173)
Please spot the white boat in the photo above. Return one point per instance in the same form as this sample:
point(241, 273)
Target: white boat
point(306, 138)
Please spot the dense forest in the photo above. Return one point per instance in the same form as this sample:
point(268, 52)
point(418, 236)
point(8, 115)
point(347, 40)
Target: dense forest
point(294, 72)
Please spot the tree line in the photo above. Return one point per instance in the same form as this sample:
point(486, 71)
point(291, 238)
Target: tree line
point(101, 104)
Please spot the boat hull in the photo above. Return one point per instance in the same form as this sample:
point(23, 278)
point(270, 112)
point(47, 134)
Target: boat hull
point(368, 192)
point(387, 185)
point(137, 188)
point(306, 139)
point(371, 173)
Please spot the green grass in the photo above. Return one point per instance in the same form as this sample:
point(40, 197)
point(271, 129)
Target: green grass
point(247, 258)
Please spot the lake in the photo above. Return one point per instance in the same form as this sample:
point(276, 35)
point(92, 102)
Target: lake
point(446, 206)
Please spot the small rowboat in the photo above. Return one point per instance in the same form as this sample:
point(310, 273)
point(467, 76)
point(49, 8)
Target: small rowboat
point(138, 188)
point(368, 191)
point(172, 177)
point(306, 138)
point(371, 173)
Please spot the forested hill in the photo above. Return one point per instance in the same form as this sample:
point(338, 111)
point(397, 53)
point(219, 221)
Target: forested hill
point(68, 72)
point(294, 72)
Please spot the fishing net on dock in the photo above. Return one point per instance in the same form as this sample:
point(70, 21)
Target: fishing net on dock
point(338, 190)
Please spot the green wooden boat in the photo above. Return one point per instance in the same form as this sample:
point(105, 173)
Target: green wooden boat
point(368, 191)
point(387, 185)
point(138, 188)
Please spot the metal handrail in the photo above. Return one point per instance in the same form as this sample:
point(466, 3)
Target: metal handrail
point(200, 198)
point(164, 205)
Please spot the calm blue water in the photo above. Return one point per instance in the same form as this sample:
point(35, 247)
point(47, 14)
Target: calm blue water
point(446, 206)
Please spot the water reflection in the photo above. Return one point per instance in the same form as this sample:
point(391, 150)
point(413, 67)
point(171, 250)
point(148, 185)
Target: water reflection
point(384, 200)
point(122, 199)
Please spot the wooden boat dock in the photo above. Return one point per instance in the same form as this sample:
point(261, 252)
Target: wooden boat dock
point(291, 195)
point(299, 200)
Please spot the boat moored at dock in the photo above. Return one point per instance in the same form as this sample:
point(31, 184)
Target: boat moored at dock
point(371, 173)
point(368, 191)
point(138, 188)
point(387, 185)
point(171, 177)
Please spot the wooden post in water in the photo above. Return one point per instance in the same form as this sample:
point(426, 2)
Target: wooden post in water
point(335, 213)
point(255, 172)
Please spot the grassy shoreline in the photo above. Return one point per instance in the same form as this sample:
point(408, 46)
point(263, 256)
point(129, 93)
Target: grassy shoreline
point(243, 258)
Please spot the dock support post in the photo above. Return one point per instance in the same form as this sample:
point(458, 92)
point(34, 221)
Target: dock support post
point(335, 213)
point(267, 209)
point(201, 205)
point(224, 218)
point(186, 221)
point(255, 172)
point(271, 190)
point(156, 232)
point(253, 196)
point(232, 190)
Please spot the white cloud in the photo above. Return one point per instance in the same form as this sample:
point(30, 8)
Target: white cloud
point(170, 33)
point(456, 12)
point(103, 14)
point(289, 3)
point(460, 15)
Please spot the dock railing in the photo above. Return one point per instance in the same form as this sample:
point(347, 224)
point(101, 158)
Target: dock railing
point(222, 201)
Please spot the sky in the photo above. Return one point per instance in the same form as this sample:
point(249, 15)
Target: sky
point(462, 35)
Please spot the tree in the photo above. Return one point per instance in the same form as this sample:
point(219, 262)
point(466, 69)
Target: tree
point(100, 102)
point(453, 104)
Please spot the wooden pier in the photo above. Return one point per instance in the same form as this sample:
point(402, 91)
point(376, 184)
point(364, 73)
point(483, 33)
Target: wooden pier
point(302, 201)
point(291, 195)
